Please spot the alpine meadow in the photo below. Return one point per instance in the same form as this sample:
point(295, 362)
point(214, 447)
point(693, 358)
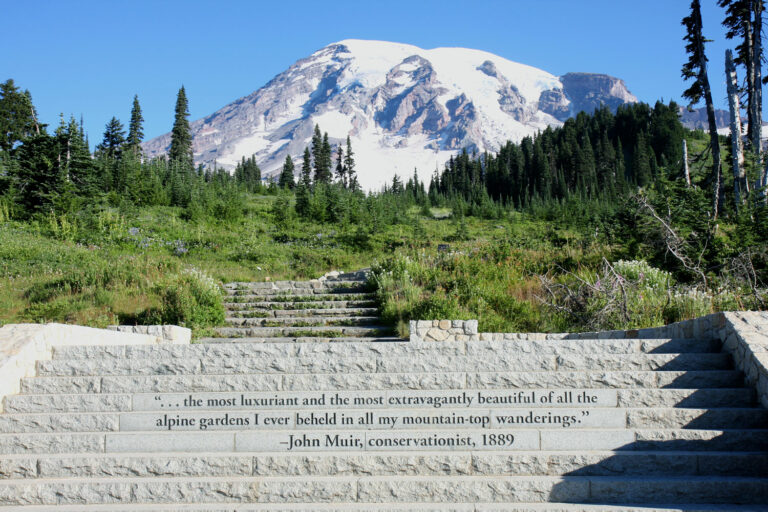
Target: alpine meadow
point(578, 214)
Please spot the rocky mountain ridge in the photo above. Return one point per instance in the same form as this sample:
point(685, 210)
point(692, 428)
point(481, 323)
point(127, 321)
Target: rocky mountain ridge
point(403, 107)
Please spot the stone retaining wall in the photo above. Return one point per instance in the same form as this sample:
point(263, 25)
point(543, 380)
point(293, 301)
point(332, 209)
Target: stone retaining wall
point(744, 335)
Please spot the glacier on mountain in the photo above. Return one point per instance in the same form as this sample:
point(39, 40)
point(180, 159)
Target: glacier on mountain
point(403, 107)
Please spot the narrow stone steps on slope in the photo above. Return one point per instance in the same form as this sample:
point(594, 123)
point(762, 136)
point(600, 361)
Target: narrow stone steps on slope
point(522, 463)
point(38, 419)
point(243, 348)
point(325, 363)
point(695, 383)
point(324, 293)
point(320, 296)
point(303, 339)
point(295, 285)
point(287, 313)
point(288, 306)
point(328, 331)
point(405, 489)
point(309, 321)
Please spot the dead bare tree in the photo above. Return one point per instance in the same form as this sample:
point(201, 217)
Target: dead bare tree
point(675, 244)
point(737, 147)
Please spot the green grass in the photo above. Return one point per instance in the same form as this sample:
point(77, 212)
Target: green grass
point(152, 265)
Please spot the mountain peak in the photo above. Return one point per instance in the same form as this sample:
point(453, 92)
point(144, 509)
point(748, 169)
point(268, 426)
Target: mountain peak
point(404, 107)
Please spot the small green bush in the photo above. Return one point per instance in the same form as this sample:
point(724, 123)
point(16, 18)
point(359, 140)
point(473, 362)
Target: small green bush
point(190, 299)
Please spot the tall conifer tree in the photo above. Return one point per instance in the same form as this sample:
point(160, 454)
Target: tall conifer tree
point(181, 136)
point(286, 174)
point(135, 128)
point(696, 69)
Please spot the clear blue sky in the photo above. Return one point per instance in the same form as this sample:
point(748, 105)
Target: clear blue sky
point(90, 57)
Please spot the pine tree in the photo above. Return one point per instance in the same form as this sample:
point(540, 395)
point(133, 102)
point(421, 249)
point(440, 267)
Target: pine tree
point(111, 145)
point(135, 128)
point(81, 169)
point(696, 69)
point(181, 136)
point(304, 186)
point(317, 148)
point(286, 175)
point(349, 166)
point(306, 170)
point(641, 167)
point(321, 154)
point(18, 119)
point(341, 173)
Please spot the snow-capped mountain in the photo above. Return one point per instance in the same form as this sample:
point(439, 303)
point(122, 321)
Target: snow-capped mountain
point(404, 108)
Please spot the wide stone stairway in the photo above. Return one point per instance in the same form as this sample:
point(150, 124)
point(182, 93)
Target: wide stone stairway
point(306, 403)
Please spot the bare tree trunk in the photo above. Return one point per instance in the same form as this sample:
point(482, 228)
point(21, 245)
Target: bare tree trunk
point(686, 170)
point(737, 149)
point(757, 87)
point(717, 165)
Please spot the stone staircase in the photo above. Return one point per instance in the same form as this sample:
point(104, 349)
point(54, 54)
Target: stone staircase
point(268, 417)
point(337, 308)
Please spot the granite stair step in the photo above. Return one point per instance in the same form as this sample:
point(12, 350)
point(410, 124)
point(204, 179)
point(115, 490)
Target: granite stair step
point(40, 414)
point(307, 296)
point(286, 305)
point(521, 463)
point(322, 331)
point(692, 383)
point(304, 339)
point(302, 321)
point(398, 507)
point(405, 489)
point(241, 347)
point(324, 291)
point(310, 312)
point(656, 440)
point(330, 363)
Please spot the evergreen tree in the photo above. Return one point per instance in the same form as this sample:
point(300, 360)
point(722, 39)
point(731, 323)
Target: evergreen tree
point(306, 170)
point(321, 155)
point(181, 136)
point(18, 119)
point(341, 173)
point(696, 69)
point(247, 174)
point(349, 167)
point(641, 166)
point(135, 128)
point(40, 180)
point(111, 145)
point(286, 175)
point(317, 148)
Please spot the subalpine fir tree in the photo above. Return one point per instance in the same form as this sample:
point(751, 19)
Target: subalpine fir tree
point(696, 69)
point(80, 170)
point(286, 174)
point(181, 136)
point(111, 145)
point(341, 174)
point(306, 170)
point(317, 148)
point(349, 166)
point(18, 119)
point(135, 128)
